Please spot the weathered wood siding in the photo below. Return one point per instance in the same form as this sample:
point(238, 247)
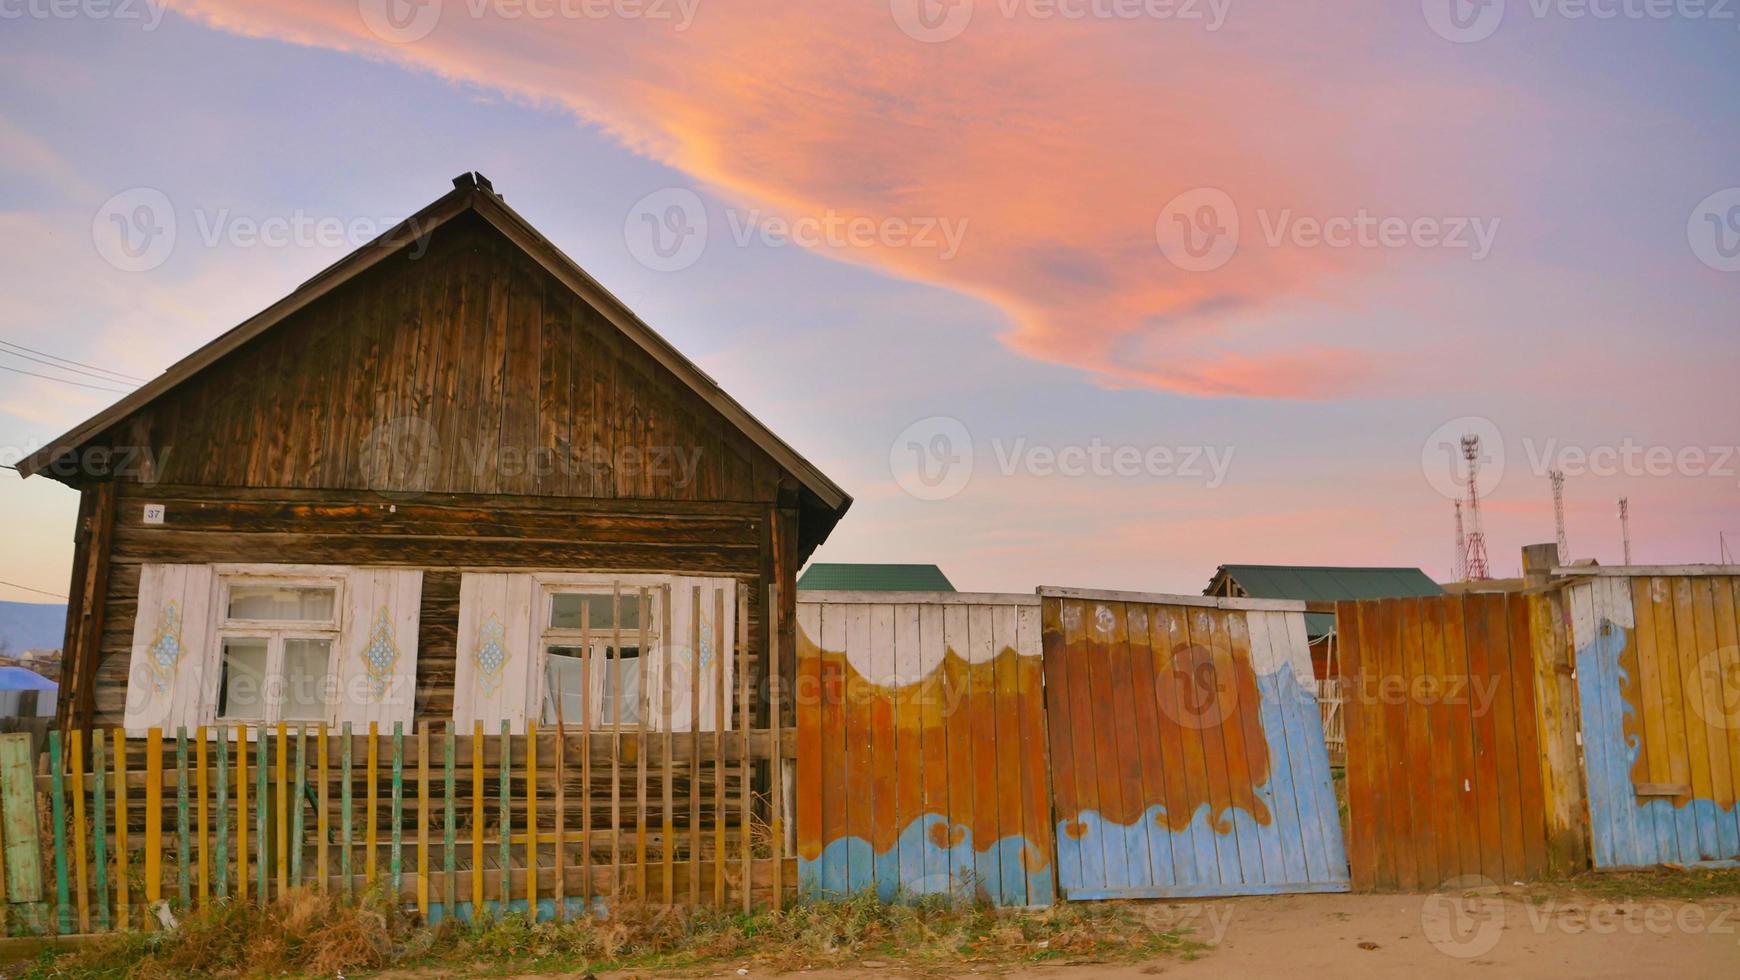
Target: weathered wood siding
point(464, 368)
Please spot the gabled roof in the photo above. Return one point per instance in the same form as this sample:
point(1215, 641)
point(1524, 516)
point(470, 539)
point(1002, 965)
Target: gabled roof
point(471, 193)
point(1321, 583)
point(874, 578)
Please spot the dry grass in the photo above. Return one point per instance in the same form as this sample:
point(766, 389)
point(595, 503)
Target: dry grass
point(306, 935)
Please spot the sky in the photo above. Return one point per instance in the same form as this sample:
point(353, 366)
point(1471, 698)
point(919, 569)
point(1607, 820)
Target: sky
point(1099, 293)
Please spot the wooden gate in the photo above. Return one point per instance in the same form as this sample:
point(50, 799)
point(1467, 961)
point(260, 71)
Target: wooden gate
point(921, 747)
point(1187, 751)
point(1658, 681)
point(1444, 759)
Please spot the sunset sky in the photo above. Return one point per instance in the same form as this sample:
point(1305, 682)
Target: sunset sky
point(1546, 238)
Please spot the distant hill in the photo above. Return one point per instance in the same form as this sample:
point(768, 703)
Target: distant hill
point(32, 626)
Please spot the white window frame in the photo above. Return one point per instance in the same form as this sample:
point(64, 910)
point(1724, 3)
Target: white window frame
point(275, 632)
point(652, 656)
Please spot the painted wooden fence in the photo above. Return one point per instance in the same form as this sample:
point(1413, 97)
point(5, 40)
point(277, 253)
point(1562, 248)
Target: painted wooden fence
point(1658, 678)
point(921, 747)
point(1444, 768)
point(1187, 749)
point(452, 824)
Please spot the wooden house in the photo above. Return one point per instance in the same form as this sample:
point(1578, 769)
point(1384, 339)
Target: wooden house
point(450, 478)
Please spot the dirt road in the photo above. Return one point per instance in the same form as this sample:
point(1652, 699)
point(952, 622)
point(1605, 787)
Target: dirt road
point(1420, 937)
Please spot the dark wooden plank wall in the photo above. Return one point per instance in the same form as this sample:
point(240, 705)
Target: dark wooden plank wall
point(502, 368)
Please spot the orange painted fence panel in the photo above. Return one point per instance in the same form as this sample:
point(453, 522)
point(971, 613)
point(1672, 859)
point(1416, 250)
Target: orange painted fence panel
point(922, 747)
point(1444, 761)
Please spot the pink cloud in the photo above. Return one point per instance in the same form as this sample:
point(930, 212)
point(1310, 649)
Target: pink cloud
point(1055, 144)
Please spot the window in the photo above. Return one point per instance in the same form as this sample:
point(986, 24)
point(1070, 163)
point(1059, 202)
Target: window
point(277, 638)
point(599, 645)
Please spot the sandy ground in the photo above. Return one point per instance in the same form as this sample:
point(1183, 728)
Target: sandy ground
point(1418, 937)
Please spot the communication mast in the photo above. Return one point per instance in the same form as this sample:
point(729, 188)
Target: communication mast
point(1558, 478)
point(1474, 564)
point(1625, 526)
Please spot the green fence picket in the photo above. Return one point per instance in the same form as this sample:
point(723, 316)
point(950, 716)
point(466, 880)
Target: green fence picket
point(262, 838)
point(393, 866)
point(344, 815)
point(223, 812)
point(449, 843)
point(183, 877)
point(100, 827)
point(296, 800)
point(62, 893)
point(506, 818)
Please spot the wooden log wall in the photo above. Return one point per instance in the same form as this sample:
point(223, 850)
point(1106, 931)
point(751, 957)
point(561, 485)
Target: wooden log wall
point(1444, 765)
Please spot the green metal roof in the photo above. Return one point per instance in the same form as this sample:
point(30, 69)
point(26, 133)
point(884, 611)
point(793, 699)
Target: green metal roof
point(1325, 584)
point(874, 578)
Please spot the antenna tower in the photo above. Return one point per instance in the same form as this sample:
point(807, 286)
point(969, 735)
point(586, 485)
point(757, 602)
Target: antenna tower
point(1475, 567)
point(1558, 478)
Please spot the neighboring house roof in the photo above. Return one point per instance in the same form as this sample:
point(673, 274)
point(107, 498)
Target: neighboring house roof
point(874, 578)
point(471, 193)
point(21, 679)
point(1321, 583)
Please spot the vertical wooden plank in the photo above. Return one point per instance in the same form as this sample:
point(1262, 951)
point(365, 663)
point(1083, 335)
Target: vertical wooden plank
point(1067, 802)
point(322, 819)
point(347, 843)
point(477, 788)
point(615, 695)
point(531, 791)
point(1364, 810)
point(298, 794)
point(959, 733)
point(586, 725)
point(933, 746)
point(281, 833)
point(395, 862)
point(1726, 591)
point(982, 709)
point(909, 706)
point(1289, 722)
point(1246, 723)
point(99, 828)
point(1210, 645)
point(242, 814)
point(1461, 724)
point(221, 794)
point(1420, 687)
point(1673, 710)
point(1663, 845)
point(1144, 724)
point(122, 906)
point(1488, 754)
point(1036, 852)
point(1595, 678)
point(695, 667)
point(449, 831)
point(1697, 734)
point(743, 784)
point(182, 852)
point(1706, 674)
point(371, 805)
point(560, 765)
point(831, 674)
point(423, 821)
point(776, 758)
point(669, 644)
point(1398, 823)
point(506, 798)
point(1441, 771)
point(1181, 758)
point(1226, 723)
point(1129, 863)
point(153, 822)
point(18, 801)
point(1007, 713)
point(262, 835)
point(81, 870)
point(644, 613)
point(57, 811)
point(202, 787)
point(1503, 712)
point(1528, 743)
point(721, 705)
point(883, 766)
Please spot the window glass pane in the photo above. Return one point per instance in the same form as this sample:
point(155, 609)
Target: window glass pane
point(305, 682)
point(622, 676)
point(563, 690)
point(565, 611)
point(241, 686)
point(297, 604)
